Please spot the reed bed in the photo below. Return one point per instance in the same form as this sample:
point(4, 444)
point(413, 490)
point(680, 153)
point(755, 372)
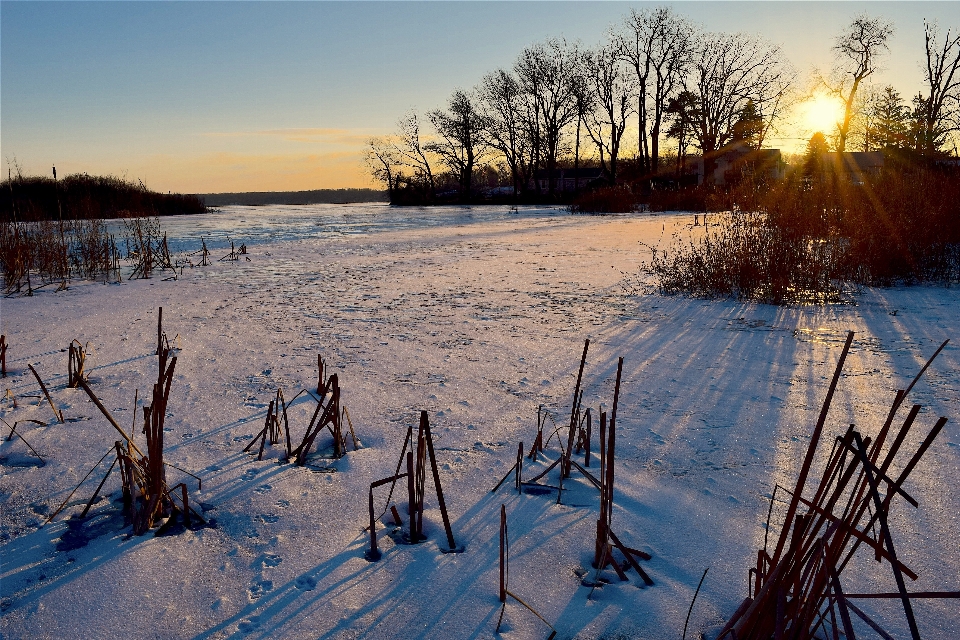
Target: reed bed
point(41, 253)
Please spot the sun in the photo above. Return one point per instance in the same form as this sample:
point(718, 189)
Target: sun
point(822, 113)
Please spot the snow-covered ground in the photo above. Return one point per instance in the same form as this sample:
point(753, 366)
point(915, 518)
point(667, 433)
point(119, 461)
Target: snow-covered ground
point(477, 316)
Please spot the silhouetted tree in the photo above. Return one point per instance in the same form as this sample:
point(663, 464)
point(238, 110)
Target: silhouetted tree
point(461, 131)
point(817, 147)
point(683, 115)
point(888, 125)
point(857, 51)
point(731, 70)
point(504, 105)
point(413, 152)
point(586, 101)
point(749, 126)
point(382, 161)
point(606, 77)
point(547, 72)
point(939, 111)
point(658, 45)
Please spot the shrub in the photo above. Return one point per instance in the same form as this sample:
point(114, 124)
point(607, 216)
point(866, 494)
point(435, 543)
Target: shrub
point(803, 240)
point(616, 199)
point(741, 255)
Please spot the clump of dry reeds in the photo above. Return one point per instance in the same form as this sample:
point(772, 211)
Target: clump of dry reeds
point(741, 255)
point(93, 251)
point(810, 240)
point(37, 254)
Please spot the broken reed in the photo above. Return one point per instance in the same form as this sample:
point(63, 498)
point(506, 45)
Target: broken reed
point(796, 591)
point(147, 247)
point(415, 452)
point(804, 240)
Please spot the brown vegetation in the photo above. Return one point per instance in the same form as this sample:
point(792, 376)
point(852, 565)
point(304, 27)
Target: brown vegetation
point(805, 240)
point(83, 197)
point(605, 200)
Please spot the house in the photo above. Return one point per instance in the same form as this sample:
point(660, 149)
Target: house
point(568, 179)
point(738, 161)
point(854, 166)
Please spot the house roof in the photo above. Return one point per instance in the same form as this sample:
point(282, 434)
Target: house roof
point(739, 150)
point(855, 160)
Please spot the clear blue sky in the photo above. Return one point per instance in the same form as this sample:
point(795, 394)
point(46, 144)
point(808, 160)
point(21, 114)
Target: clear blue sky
point(230, 96)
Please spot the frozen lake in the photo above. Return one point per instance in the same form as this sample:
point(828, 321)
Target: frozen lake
point(278, 223)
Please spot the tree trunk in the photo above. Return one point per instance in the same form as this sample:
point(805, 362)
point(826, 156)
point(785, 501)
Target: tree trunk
point(576, 159)
point(655, 145)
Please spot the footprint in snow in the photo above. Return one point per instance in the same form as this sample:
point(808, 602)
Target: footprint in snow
point(306, 583)
point(259, 588)
point(271, 560)
point(250, 474)
point(283, 504)
point(264, 488)
point(249, 625)
point(269, 518)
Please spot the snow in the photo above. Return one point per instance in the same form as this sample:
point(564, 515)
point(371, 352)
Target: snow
point(477, 315)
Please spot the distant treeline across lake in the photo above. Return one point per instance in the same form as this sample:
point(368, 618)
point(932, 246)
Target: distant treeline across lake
point(81, 196)
point(319, 196)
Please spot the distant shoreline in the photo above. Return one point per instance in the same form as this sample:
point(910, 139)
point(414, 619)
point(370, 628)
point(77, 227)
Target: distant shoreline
point(318, 196)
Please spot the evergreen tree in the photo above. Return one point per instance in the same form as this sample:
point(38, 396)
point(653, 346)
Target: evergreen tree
point(682, 114)
point(813, 158)
point(749, 126)
point(890, 121)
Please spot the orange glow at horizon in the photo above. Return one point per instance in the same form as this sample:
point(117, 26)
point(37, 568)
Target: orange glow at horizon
point(241, 172)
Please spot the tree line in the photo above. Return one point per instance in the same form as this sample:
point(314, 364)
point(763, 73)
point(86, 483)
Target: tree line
point(658, 76)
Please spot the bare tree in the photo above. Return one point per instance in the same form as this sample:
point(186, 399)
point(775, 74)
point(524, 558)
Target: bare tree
point(461, 140)
point(504, 106)
point(732, 70)
point(413, 152)
point(606, 76)
point(939, 113)
point(547, 73)
point(658, 45)
point(586, 101)
point(382, 161)
point(857, 51)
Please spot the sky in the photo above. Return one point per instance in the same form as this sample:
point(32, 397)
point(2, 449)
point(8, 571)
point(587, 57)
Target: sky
point(206, 97)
